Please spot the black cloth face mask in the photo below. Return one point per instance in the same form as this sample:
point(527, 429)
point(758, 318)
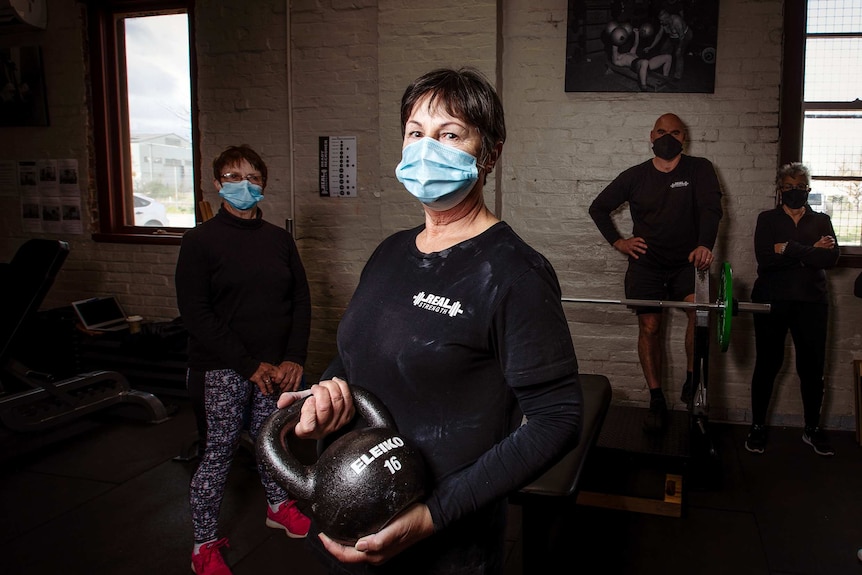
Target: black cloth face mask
point(794, 198)
point(667, 147)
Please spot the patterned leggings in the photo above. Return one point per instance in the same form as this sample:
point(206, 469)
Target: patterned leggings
point(226, 395)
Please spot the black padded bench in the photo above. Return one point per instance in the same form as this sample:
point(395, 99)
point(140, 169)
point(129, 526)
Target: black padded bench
point(540, 500)
point(35, 402)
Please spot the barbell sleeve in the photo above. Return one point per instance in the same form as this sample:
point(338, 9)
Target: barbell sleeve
point(720, 305)
point(754, 307)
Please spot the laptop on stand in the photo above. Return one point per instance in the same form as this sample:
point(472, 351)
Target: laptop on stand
point(101, 314)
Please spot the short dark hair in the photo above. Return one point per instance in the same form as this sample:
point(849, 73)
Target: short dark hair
point(235, 155)
point(465, 94)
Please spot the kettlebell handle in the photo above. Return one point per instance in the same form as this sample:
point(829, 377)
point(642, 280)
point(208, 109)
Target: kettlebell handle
point(370, 408)
point(273, 449)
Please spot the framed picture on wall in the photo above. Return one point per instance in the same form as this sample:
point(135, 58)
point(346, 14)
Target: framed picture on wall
point(641, 46)
point(23, 101)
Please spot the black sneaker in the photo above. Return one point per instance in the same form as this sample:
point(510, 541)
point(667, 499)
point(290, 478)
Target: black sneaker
point(815, 437)
point(756, 440)
point(656, 417)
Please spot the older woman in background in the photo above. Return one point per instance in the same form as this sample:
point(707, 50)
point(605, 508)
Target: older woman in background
point(794, 245)
point(243, 295)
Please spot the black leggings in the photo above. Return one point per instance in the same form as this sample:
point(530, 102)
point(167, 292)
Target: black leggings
point(807, 323)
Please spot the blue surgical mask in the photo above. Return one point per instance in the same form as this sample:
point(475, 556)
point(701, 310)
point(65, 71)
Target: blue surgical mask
point(241, 195)
point(440, 176)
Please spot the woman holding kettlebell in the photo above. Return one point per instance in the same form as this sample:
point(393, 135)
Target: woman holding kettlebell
point(457, 326)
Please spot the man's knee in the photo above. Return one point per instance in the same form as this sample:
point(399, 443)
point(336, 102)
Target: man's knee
point(649, 324)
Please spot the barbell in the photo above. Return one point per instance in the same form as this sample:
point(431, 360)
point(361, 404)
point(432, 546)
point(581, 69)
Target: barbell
point(725, 305)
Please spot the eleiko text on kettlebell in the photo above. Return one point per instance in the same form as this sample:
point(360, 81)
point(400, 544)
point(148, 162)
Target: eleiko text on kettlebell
point(381, 448)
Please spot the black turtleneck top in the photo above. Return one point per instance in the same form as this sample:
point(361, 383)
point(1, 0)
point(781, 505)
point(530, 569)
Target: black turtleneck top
point(243, 295)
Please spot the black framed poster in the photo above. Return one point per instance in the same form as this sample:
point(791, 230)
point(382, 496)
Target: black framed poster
point(641, 45)
point(23, 101)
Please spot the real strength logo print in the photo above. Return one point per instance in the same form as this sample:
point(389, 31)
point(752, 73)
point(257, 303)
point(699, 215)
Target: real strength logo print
point(437, 304)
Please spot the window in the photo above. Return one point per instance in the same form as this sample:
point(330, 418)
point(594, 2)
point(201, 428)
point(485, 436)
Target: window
point(821, 112)
point(141, 66)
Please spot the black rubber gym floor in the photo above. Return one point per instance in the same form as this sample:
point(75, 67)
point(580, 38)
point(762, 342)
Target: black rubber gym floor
point(111, 499)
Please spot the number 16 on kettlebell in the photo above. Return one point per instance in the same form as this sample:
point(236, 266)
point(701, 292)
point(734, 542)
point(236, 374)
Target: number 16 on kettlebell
point(359, 483)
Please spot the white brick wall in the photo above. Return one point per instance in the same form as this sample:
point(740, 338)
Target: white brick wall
point(350, 61)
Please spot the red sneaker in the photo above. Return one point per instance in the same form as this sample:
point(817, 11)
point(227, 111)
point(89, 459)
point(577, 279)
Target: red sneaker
point(289, 518)
point(208, 561)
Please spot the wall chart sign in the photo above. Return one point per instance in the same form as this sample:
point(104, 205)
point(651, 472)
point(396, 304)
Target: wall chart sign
point(337, 171)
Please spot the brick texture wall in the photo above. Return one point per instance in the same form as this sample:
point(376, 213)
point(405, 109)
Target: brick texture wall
point(279, 78)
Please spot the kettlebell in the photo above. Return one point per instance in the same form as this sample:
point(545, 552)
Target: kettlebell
point(359, 482)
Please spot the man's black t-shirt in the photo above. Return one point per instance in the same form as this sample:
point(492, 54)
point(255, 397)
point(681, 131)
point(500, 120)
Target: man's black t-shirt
point(673, 212)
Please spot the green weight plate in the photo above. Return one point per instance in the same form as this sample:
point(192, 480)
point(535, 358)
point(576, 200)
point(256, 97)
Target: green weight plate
point(725, 299)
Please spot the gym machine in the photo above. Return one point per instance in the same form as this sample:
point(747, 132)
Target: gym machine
point(37, 404)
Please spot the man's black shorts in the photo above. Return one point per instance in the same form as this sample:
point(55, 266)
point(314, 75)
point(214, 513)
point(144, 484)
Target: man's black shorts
point(644, 282)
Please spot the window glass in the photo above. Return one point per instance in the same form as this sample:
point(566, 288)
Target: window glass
point(832, 114)
point(832, 145)
point(834, 16)
point(160, 127)
point(832, 69)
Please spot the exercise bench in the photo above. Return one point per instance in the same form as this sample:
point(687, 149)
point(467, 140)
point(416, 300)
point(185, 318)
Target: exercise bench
point(540, 501)
point(32, 401)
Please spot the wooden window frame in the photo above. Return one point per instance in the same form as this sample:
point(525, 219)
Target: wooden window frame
point(111, 161)
point(792, 103)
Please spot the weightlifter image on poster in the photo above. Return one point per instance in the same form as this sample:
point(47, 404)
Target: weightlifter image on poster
point(646, 46)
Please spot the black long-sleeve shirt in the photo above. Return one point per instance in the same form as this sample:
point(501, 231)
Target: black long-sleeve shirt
point(455, 343)
point(243, 295)
point(797, 274)
point(673, 212)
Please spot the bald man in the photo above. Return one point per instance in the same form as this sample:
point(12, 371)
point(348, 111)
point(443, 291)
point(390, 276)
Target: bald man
point(675, 205)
